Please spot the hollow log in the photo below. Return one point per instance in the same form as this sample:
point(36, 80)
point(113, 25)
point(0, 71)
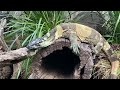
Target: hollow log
point(58, 61)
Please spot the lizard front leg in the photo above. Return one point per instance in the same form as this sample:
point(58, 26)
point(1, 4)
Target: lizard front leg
point(75, 44)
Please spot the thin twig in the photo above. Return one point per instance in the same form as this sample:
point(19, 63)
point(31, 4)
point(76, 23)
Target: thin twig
point(2, 41)
point(14, 55)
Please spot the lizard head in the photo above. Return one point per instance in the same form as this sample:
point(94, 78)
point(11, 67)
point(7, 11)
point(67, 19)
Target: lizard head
point(35, 44)
point(40, 43)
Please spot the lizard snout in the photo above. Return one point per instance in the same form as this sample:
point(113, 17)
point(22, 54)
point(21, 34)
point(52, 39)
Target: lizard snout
point(35, 44)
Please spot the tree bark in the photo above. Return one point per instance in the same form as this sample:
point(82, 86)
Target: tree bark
point(13, 56)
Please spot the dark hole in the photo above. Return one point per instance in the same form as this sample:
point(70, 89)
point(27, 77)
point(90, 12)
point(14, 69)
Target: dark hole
point(61, 61)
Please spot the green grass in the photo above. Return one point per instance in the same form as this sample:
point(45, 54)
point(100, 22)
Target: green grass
point(112, 25)
point(31, 25)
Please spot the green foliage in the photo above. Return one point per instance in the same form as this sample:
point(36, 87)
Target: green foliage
point(31, 25)
point(112, 25)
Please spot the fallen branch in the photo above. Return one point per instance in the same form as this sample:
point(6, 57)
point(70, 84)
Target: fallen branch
point(13, 56)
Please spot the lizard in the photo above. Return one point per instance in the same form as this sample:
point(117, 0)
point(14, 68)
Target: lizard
point(77, 33)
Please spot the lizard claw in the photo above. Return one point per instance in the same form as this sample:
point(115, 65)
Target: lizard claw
point(75, 47)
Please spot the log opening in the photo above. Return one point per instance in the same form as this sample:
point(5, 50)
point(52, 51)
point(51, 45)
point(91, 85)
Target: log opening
point(61, 61)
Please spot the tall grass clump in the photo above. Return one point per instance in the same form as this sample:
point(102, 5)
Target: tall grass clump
point(31, 25)
point(112, 24)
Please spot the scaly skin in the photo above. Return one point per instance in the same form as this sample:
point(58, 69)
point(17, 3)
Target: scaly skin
point(78, 33)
